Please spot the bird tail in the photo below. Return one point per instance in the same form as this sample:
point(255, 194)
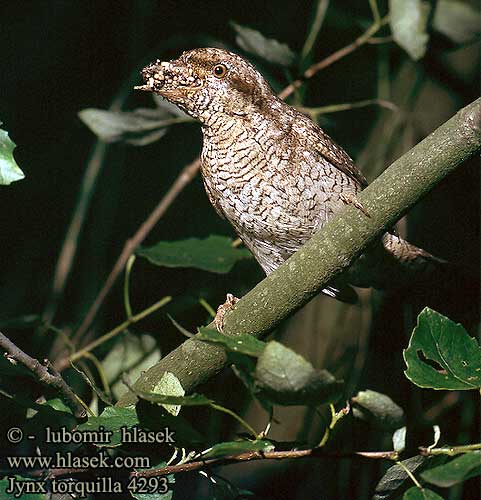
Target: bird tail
point(393, 262)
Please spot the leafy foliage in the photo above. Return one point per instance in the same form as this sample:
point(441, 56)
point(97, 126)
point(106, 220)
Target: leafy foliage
point(455, 471)
point(379, 409)
point(394, 481)
point(281, 376)
point(9, 170)
point(214, 253)
point(286, 378)
point(129, 357)
point(440, 340)
point(170, 385)
point(111, 419)
point(236, 447)
point(139, 127)
point(416, 493)
point(409, 20)
point(243, 344)
point(267, 48)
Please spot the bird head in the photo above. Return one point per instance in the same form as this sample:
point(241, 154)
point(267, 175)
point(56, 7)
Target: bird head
point(208, 81)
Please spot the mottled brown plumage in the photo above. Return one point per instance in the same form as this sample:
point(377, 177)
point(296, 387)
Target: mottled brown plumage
point(269, 169)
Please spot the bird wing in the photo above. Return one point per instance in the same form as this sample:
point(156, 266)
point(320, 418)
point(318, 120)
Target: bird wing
point(336, 156)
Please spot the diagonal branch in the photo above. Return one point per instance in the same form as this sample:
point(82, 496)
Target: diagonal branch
point(335, 56)
point(248, 456)
point(45, 374)
point(330, 251)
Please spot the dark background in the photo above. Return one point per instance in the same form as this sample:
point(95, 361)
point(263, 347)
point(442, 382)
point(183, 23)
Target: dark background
point(60, 57)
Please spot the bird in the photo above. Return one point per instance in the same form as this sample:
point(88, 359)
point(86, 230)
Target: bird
point(273, 172)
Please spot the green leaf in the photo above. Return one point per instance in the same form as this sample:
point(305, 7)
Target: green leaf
point(169, 385)
point(455, 471)
point(236, 447)
point(244, 343)
point(111, 419)
point(139, 127)
point(286, 378)
point(9, 170)
point(267, 48)
point(58, 405)
point(416, 493)
point(214, 253)
point(379, 409)
point(394, 481)
point(440, 340)
point(408, 20)
point(457, 20)
point(103, 396)
point(131, 355)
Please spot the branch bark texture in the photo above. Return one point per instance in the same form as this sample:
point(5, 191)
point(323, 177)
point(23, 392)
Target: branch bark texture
point(330, 251)
point(45, 374)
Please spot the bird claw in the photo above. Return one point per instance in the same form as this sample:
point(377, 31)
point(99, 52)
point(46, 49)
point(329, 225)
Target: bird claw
point(350, 199)
point(221, 311)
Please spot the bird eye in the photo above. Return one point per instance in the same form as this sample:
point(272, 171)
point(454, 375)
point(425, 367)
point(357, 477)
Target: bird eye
point(220, 70)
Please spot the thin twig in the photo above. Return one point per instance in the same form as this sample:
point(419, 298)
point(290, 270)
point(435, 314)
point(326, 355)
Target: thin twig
point(186, 175)
point(339, 54)
point(347, 106)
point(267, 455)
point(378, 40)
point(317, 23)
point(409, 473)
point(45, 373)
point(233, 459)
point(450, 450)
point(64, 362)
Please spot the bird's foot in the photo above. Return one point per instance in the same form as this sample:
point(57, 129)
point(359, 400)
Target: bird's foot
point(221, 311)
point(350, 199)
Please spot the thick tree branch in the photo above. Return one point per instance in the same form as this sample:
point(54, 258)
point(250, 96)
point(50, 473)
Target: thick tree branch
point(330, 251)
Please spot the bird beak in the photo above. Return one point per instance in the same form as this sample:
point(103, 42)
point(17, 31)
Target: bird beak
point(166, 78)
